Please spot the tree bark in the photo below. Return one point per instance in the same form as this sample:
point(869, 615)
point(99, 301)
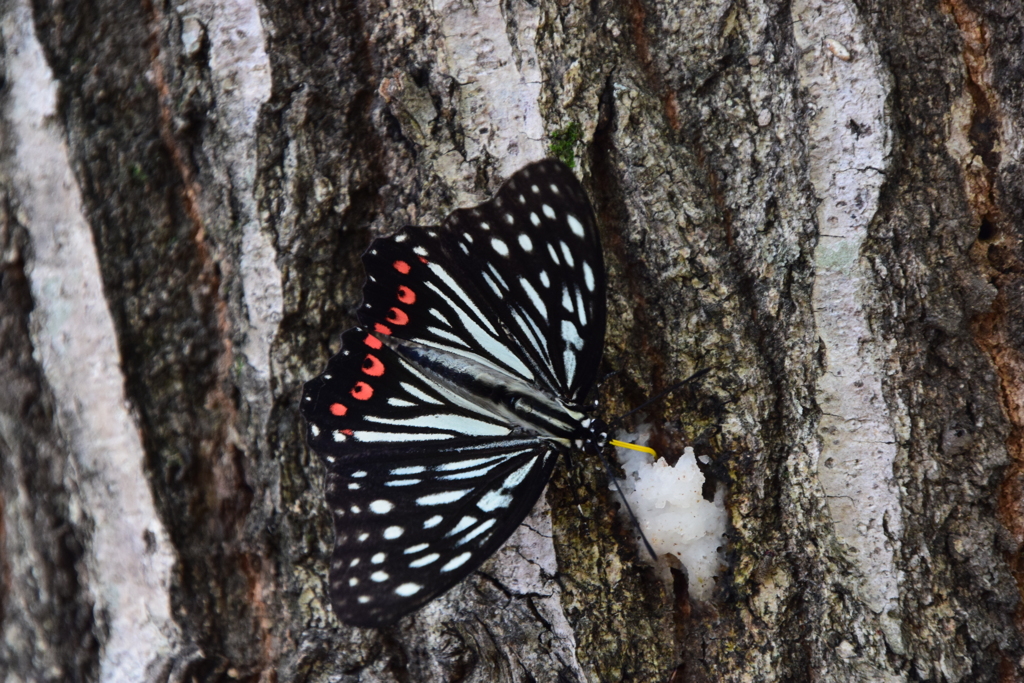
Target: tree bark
point(821, 202)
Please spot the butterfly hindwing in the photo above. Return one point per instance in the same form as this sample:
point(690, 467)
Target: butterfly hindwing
point(411, 525)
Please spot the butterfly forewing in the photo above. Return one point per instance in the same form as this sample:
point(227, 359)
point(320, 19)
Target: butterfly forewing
point(538, 263)
point(442, 417)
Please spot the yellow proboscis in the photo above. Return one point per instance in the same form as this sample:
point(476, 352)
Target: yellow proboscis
point(633, 447)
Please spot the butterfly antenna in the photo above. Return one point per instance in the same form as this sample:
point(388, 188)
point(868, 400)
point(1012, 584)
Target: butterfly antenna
point(618, 421)
point(632, 515)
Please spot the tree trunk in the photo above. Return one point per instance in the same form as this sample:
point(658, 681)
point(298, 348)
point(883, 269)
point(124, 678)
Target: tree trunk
point(821, 202)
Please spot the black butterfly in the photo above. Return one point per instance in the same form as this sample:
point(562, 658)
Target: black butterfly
point(441, 419)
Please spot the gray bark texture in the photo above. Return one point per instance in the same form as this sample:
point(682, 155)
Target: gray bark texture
point(819, 201)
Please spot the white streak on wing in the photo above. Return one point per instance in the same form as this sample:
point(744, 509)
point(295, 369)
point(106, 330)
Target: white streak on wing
point(493, 286)
point(463, 524)
point(490, 343)
point(577, 227)
point(569, 361)
point(497, 276)
point(516, 478)
point(445, 335)
point(443, 275)
point(566, 299)
point(446, 422)
point(442, 498)
point(566, 253)
point(534, 297)
point(544, 279)
point(440, 316)
point(531, 338)
point(588, 276)
point(571, 336)
point(431, 523)
point(412, 550)
point(476, 532)
point(580, 308)
point(398, 436)
point(403, 482)
point(403, 471)
point(415, 391)
point(399, 403)
point(501, 497)
point(464, 464)
point(492, 500)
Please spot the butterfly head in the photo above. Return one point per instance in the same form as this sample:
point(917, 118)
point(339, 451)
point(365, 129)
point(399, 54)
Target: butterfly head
point(592, 436)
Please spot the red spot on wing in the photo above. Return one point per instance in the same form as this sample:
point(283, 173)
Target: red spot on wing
point(397, 316)
point(346, 432)
point(423, 259)
point(381, 329)
point(362, 391)
point(402, 267)
point(372, 366)
point(406, 295)
point(338, 409)
point(372, 341)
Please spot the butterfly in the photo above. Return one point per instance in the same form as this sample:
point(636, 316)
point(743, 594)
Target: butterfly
point(441, 419)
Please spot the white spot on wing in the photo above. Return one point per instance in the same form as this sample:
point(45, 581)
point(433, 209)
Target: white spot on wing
point(544, 279)
point(379, 576)
point(534, 218)
point(363, 599)
point(499, 246)
point(432, 522)
point(566, 253)
point(548, 211)
point(393, 532)
point(588, 276)
point(525, 242)
point(509, 219)
point(382, 507)
point(566, 299)
point(577, 227)
point(378, 558)
point(407, 589)
point(314, 430)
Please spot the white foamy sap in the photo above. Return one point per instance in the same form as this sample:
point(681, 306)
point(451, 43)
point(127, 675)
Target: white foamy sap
point(674, 515)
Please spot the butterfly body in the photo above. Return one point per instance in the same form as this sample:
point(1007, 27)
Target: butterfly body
point(441, 419)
